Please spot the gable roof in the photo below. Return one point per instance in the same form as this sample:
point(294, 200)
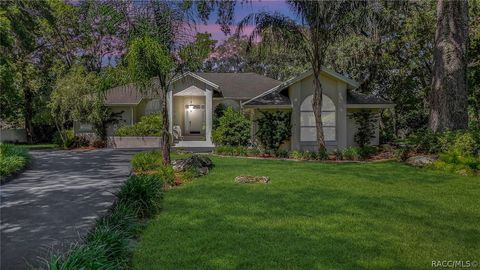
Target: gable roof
point(240, 85)
point(351, 84)
point(229, 85)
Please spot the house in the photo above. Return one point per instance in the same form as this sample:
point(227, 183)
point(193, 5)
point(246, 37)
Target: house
point(193, 98)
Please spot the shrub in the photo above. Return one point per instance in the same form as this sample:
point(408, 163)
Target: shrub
point(351, 153)
point(365, 120)
point(166, 173)
point(273, 129)
point(79, 141)
point(424, 141)
point(367, 151)
point(217, 113)
point(99, 143)
point(281, 153)
point(143, 193)
point(338, 154)
point(233, 129)
point(149, 125)
point(309, 155)
point(147, 161)
point(82, 257)
point(402, 154)
point(12, 159)
point(253, 152)
point(68, 138)
point(464, 145)
point(296, 154)
point(240, 151)
point(113, 240)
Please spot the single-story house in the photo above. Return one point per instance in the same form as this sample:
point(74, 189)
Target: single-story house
point(193, 98)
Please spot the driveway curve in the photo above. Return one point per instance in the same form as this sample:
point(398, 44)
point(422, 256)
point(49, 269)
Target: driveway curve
point(56, 201)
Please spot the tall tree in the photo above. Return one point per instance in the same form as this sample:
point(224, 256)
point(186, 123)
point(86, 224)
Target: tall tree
point(24, 23)
point(159, 50)
point(319, 24)
point(448, 97)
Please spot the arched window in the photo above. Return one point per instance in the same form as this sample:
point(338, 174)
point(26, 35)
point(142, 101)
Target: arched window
point(308, 131)
point(153, 106)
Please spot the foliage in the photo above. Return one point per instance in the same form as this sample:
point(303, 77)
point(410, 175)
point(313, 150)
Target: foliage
point(146, 161)
point(365, 120)
point(147, 58)
point(309, 155)
point(12, 159)
point(358, 153)
point(143, 193)
point(217, 113)
point(233, 129)
point(166, 173)
point(64, 138)
point(149, 125)
point(75, 97)
point(107, 246)
point(193, 54)
point(453, 162)
point(234, 55)
point(273, 129)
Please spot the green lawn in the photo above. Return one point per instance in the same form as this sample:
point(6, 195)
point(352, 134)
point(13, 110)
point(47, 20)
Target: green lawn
point(315, 216)
point(38, 146)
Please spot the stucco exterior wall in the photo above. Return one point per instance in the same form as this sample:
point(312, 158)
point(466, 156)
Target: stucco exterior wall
point(333, 88)
point(127, 117)
point(234, 103)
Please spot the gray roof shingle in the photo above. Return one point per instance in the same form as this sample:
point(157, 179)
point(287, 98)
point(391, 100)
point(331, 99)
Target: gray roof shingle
point(240, 85)
point(231, 85)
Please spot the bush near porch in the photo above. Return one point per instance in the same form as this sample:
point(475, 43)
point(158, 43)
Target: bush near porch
point(149, 125)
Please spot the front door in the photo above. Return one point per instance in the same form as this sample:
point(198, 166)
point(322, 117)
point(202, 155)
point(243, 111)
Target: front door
point(195, 115)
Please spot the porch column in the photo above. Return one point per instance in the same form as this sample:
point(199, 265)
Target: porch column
point(170, 111)
point(208, 114)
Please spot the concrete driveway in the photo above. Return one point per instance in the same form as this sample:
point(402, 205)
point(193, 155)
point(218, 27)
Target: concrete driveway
point(56, 201)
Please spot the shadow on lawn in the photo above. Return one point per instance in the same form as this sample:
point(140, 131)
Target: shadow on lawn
point(215, 223)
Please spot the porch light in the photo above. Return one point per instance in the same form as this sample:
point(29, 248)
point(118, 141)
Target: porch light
point(190, 108)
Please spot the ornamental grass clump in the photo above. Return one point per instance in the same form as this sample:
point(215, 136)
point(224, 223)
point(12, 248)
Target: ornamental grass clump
point(143, 193)
point(108, 245)
point(12, 159)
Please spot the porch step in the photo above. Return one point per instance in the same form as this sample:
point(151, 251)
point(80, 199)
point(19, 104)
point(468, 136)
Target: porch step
point(194, 144)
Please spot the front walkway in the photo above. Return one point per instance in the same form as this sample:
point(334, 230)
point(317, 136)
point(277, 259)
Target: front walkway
point(56, 201)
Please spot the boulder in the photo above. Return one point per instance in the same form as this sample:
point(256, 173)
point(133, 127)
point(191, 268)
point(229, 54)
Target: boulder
point(420, 161)
point(251, 179)
point(200, 164)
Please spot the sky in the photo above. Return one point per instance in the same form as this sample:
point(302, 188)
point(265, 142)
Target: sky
point(242, 10)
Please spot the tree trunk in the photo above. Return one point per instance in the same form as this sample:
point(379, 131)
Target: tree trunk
point(28, 113)
point(165, 141)
point(448, 97)
point(317, 108)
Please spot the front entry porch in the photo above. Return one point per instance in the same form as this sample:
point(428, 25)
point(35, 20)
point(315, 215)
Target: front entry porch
point(190, 113)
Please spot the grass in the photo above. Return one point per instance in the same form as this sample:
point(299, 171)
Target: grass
point(108, 245)
point(38, 146)
point(314, 216)
point(12, 159)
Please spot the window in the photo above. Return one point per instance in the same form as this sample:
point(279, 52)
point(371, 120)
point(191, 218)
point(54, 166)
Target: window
point(308, 131)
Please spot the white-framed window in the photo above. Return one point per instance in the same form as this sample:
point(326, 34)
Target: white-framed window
point(308, 131)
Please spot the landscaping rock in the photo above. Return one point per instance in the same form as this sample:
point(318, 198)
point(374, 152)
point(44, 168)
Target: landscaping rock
point(200, 164)
point(251, 179)
point(420, 161)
